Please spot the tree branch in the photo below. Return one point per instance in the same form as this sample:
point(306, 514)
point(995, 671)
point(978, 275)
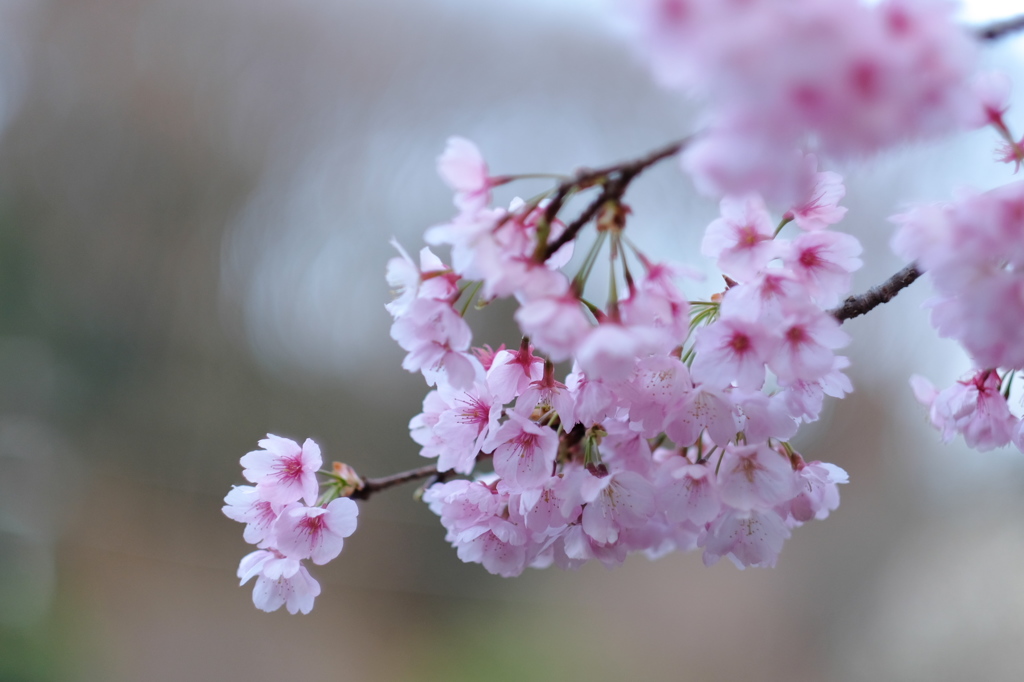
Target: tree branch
point(614, 188)
point(1000, 29)
point(854, 306)
point(374, 485)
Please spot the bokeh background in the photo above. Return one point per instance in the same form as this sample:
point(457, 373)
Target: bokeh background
point(195, 202)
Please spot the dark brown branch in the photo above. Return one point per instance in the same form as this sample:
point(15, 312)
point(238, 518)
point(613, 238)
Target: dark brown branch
point(1000, 29)
point(373, 485)
point(616, 178)
point(855, 306)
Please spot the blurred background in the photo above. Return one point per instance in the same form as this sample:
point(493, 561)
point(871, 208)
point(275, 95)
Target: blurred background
point(195, 202)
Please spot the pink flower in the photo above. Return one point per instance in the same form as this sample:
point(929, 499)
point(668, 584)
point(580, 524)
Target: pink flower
point(702, 408)
point(820, 208)
point(246, 505)
point(755, 477)
point(748, 537)
point(282, 471)
point(973, 406)
point(280, 582)
point(733, 350)
point(525, 452)
point(819, 492)
point(437, 340)
point(609, 353)
point(823, 262)
point(764, 416)
point(316, 533)
point(741, 240)
point(432, 279)
point(462, 167)
point(482, 525)
point(615, 502)
point(549, 393)
point(658, 387)
point(809, 335)
point(992, 89)
point(689, 492)
point(513, 371)
point(464, 428)
point(556, 324)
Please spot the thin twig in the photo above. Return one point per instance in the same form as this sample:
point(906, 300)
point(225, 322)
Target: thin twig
point(1000, 29)
point(855, 306)
point(373, 485)
point(613, 189)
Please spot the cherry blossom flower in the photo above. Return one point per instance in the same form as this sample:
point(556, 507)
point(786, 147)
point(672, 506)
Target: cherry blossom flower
point(733, 350)
point(748, 537)
point(973, 407)
point(615, 501)
point(820, 208)
point(822, 262)
point(316, 533)
point(246, 505)
point(755, 477)
point(463, 168)
point(524, 452)
point(741, 240)
point(280, 581)
point(809, 335)
point(282, 471)
point(818, 483)
point(437, 340)
point(689, 492)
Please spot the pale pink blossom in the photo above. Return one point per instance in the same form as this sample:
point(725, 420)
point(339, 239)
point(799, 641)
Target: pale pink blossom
point(316, 533)
point(549, 393)
point(437, 340)
point(282, 471)
point(973, 407)
point(557, 325)
point(659, 385)
point(804, 399)
point(755, 477)
point(615, 502)
point(733, 350)
point(992, 89)
point(809, 335)
point(482, 525)
point(245, 505)
point(594, 399)
point(462, 167)
point(702, 408)
point(850, 77)
point(464, 427)
point(550, 508)
point(820, 208)
point(524, 452)
point(431, 279)
point(763, 416)
point(823, 262)
point(609, 353)
point(819, 492)
point(513, 371)
point(741, 240)
point(689, 492)
point(280, 582)
point(766, 298)
point(748, 537)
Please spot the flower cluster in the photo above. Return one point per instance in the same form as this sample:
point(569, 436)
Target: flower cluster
point(654, 422)
point(663, 436)
point(285, 530)
point(846, 76)
point(973, 252)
